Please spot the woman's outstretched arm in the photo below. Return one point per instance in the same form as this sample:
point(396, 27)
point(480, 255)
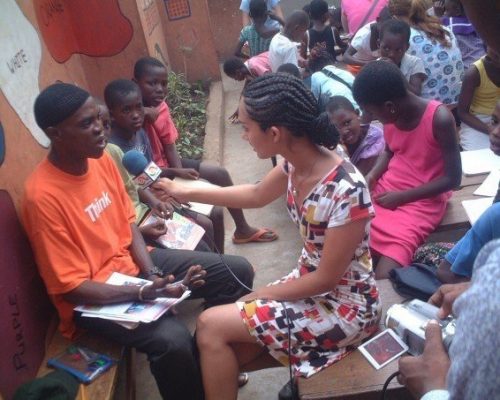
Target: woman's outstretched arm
point(240, 196)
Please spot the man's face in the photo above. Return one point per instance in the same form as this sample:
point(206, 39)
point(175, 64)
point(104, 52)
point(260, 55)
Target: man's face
point(153, 84)
point(128, 115)
point(80, 135)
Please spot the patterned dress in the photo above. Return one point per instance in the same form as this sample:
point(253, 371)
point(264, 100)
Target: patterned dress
point(443, 66)
point(324, 328)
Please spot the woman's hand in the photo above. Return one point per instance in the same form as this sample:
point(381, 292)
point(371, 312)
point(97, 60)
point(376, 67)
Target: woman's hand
point(165, 188)
point(391, 200)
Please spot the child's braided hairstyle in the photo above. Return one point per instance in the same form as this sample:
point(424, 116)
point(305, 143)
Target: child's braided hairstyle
point(283, 100)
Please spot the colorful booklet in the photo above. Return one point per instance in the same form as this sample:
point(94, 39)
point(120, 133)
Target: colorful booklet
point(84, 364)
point(130, 314)
point(182, 233)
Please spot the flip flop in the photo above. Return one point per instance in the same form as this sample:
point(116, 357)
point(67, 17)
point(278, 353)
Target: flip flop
point(242, 379)
point(258, 237)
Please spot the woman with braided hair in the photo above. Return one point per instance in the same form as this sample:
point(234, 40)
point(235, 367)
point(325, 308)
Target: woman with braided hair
point(328, 303)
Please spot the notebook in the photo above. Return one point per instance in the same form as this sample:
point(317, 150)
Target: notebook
point(86, 365)
point(477, 162)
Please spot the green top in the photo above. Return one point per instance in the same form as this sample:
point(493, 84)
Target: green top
point(117, 155)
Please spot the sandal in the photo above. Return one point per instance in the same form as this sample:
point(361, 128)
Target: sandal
point(261, 236)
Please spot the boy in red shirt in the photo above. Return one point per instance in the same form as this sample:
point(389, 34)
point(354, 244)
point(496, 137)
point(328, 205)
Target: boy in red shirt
point(151, 76)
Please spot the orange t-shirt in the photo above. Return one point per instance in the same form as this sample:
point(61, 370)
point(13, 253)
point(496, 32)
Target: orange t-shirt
point(79, 228)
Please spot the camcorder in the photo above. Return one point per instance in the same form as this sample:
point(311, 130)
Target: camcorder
point(409, 321)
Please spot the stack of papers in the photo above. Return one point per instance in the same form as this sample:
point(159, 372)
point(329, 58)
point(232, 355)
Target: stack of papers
point(477, 162)
point(475, 208)
point(130, 314)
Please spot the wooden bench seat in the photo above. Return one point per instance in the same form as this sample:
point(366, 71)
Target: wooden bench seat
point(104, 386)
point(354, 377)
point(27, 319)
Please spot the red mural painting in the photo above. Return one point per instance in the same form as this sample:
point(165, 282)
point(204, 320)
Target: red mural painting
point(92, 27)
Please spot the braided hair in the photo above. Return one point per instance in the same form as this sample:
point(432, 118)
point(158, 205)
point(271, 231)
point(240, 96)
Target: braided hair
point(283, 100)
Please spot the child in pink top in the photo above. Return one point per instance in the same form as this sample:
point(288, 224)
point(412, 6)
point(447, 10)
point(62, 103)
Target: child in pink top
point(413, 177)
point(151, 76)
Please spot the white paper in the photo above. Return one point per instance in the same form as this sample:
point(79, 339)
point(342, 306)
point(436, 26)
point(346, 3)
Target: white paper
point(477, 162)
point(475, 208)
point(490, 185)
point(132, 312)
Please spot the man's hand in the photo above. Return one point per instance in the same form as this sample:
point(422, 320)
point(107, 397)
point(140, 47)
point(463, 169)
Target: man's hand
point(154, 231)
point(428, 371)
point(391, 200)
point(150, 114)
point(446, 295)
point(163, 287)
point(162, 209)
point(186, 173)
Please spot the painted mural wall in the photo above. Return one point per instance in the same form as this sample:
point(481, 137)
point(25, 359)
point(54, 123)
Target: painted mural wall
point(85, 42)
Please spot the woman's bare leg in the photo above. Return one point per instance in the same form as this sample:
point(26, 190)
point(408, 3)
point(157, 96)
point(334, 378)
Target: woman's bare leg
point(225, 345)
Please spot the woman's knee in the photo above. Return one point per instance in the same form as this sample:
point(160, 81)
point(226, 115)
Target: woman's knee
point(209, 327)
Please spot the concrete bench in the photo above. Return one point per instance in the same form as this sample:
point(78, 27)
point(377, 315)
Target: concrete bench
point(28, 322)
point(353, 377)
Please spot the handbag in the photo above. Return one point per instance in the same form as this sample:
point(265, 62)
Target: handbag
point(416, 281)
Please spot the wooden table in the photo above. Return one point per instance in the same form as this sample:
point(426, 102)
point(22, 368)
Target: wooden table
point(354, 377)
point(455, 221)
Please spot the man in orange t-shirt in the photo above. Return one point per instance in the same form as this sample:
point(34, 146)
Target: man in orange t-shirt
point(80, 222)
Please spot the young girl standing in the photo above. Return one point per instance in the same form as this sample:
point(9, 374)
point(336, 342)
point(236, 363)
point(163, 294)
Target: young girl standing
point(412, 178)
point(329, 302)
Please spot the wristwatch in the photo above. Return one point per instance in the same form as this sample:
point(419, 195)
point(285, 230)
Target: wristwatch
point(154, 270)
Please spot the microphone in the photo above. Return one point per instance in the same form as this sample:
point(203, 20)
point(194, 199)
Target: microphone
point(136, 164)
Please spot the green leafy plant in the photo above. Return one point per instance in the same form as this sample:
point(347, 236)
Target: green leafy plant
point(187, 106)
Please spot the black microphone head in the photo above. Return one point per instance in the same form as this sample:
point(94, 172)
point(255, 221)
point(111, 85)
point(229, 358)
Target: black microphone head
point(134, 162)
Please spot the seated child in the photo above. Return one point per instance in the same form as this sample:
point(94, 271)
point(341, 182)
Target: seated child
point(151, 76)
point(394, 43)
point(412, 179)
point(363, 143)
point(256, 35)
point(283, 48)
point(321, 31)
point(470, 44)
point(364, 45)
point(144, 200)
point(240, 70)
point(235, 68)
point(327, 80)
point(291, 69)
point(124, 101)
point(478, 97)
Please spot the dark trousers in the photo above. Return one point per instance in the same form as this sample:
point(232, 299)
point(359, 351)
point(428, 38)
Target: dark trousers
point(167, 342)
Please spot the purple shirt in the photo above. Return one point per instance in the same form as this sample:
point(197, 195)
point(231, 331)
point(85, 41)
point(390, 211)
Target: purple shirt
point(371, 146)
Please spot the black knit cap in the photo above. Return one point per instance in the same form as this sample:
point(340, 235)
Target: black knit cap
point(58, 102)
